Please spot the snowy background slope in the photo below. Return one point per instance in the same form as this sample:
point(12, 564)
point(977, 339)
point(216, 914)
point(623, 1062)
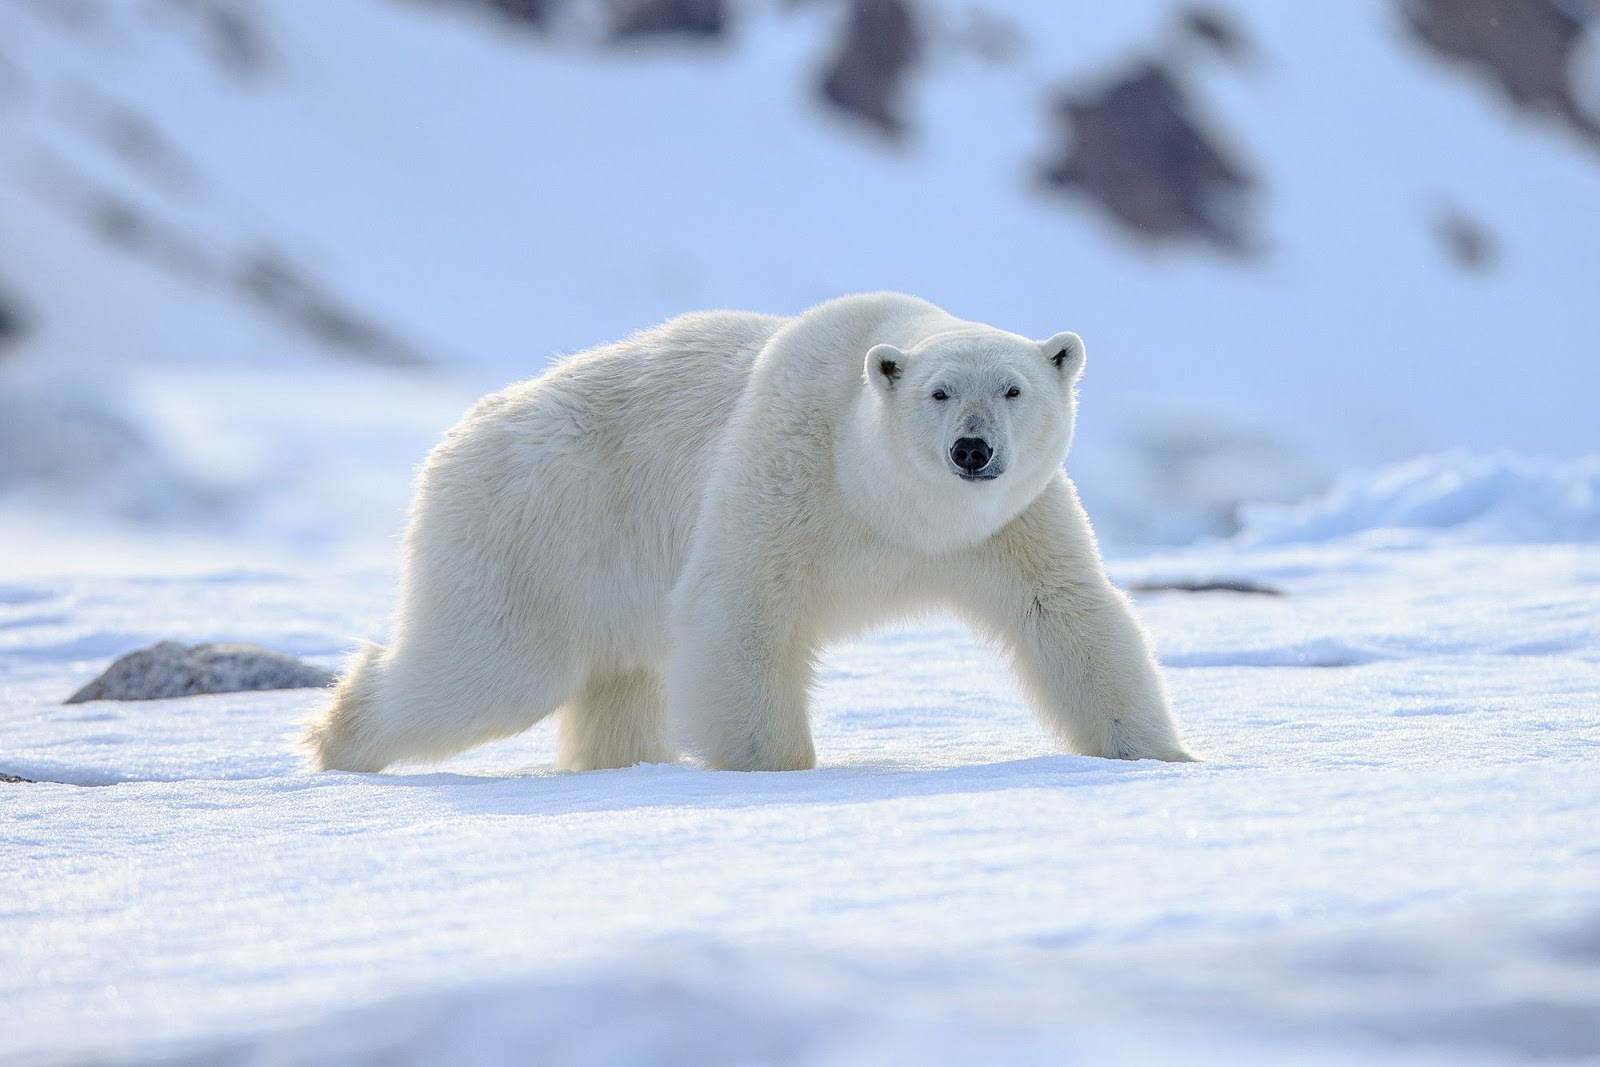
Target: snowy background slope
point(255, 255)
point(202, 201)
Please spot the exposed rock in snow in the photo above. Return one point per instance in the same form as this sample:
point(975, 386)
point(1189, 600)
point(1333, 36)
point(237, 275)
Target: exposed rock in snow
point(171, 669)
point(1217, 31)
point(535, 13)
point(1206, 585)
point(10, 321)
point(612, 20)
point(1468, 242)
point(1523, 47)
point(878, 49)
point(281, 287)
point(1137, 147)
point(232, 32)
point(669, 18)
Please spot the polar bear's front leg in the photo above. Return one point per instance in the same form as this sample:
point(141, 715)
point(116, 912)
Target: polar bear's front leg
point(1084, 662)
point(739, 674)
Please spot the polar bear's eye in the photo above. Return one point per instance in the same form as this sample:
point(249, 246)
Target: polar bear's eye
point(940, 394)
point(1013, 393)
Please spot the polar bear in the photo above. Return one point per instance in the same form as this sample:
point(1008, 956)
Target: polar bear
point(668, 529)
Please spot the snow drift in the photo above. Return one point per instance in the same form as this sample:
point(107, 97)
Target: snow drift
point(1485, 499)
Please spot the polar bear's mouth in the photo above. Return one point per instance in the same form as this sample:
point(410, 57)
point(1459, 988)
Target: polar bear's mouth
point(984, 475)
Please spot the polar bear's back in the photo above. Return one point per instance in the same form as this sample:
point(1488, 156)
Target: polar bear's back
point(573, 495)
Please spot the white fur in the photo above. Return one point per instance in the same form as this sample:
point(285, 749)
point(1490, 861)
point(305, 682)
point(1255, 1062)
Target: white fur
point(669, 528)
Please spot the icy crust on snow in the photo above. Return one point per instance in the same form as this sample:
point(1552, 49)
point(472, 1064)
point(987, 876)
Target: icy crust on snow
point(1351, 1002)
point(1484, 499)
point(1390, 854)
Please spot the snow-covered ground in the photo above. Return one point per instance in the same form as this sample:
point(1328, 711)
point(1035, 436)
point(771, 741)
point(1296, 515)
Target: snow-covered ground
point(1390, 853)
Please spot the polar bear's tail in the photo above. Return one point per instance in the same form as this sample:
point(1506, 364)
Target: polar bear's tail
point(340, 738)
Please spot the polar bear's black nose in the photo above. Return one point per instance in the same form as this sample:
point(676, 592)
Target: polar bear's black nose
point(971, 454)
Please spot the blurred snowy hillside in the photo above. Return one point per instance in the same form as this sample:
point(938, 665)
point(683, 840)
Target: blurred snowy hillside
point(256, 254)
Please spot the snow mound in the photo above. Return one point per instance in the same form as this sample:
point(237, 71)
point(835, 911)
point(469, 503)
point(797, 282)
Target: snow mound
point(71, 444)
point(1495, 498)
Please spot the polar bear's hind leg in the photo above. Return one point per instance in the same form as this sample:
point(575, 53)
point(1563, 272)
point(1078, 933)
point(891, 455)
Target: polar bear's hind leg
point(339, 738)
point(617, 720)
point(427, 707)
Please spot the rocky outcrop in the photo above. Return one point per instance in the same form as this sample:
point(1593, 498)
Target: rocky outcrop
point(619, 20)
point(878, 50)
point(1524, 48)
point(706, 19)
point(11, 325)
point(280, 287)
point(535, 13)
point(232, 32)
point(1466, 242)
point(171, 669)
point(1137, 148)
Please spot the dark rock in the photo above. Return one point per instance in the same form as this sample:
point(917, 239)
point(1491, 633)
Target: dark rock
point(231, 32)
point(1523, 47)
point(622, 20)
point(527, 14)
point(1208, 585)
point(535, 13)
point(879, 50)
point(1467, 242)
point(11, 324)
point(136, 140)
point(705, 19)
point(1136, 147)
point(171, 669)
point(282, 288)
point(11, 779)
point(137, 231)
point(1217, 31)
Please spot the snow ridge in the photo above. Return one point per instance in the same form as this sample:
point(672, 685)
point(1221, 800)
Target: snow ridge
point(1491, 499)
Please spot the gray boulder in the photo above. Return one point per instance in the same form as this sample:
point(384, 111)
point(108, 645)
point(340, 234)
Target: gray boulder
point(172, 669)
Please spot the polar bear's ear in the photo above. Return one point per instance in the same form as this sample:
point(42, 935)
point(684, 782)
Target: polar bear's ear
point(885, 364)
point(1065, 352)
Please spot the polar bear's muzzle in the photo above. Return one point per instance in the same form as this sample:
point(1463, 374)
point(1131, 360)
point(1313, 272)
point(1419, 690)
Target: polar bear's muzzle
point(974, 459)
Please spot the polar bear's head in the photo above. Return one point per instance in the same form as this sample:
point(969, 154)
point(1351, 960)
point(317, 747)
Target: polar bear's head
point(976, 404)
point(982, 416)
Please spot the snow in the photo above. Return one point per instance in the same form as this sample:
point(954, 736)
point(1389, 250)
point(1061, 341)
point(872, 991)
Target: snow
point(1481, 498)
point(1389, 851)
